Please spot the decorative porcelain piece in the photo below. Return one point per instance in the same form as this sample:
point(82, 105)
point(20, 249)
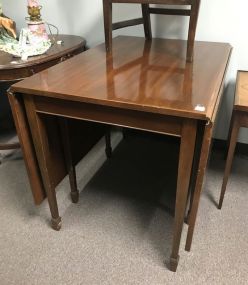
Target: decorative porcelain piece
point(33, 3)
point(37, 32)
point(23, 48)
point(32, 41)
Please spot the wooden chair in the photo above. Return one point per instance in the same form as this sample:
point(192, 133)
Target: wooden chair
point(192, 12)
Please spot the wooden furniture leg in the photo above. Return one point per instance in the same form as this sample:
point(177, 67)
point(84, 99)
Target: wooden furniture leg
point(184, 169)
point(40, 139)
point(234, 131)
point(205, 149)
point(107, 14)
point(108, 147)
point(199, 138)
point(147, 21)
point(64, 130)
point(7, 146)
point(192, 29)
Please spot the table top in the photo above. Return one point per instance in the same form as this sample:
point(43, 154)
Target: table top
point(241, 96)
point(70, 43)
point(151, 76)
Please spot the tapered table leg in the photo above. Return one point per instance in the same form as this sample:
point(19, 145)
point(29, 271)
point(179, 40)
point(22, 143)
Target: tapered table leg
point(40, 139)
point(234, 131)
point(63, 123)
point(184, 170)
point(199, 137)
point(199, 182)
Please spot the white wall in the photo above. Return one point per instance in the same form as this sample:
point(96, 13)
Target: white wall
point(221, 21)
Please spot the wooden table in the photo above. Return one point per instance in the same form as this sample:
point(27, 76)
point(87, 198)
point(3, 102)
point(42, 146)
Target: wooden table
point(13, 69)
point(145, 85)
point(239, 120)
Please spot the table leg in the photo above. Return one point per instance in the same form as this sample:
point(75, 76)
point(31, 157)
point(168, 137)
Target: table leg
point(234, 131)
point(198, 144)
point(63, 123)
point(184, 170)
point(108, 147)
point(40, 138)
point(205, 149)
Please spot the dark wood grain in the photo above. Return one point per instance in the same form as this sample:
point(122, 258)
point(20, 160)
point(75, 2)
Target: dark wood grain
point(43, 152)
point(165, 2)
point(163, 60)
point(163, 11)
point(26, 142)
point(144, 85)
point(72, 45)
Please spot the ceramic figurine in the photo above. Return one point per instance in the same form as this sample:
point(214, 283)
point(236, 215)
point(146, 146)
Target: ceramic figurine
point(33, 3)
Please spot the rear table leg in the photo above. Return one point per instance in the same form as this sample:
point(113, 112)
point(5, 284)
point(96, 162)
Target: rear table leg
point(63, 123)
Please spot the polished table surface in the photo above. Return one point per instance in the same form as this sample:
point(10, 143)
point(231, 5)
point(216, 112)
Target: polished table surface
point(163, 83)
point(13, 68)
point(144, 85)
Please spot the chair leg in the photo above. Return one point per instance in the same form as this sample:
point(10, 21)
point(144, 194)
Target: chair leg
point(68, 158)
point(233, 140)
point(147, 21)
point(107, 14)
point(192, 29)
point(108, 147)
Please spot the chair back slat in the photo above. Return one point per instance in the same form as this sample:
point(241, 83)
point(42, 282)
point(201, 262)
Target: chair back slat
point(128, 23)
point(191, 12)
point(162, 2)
point(163, 11)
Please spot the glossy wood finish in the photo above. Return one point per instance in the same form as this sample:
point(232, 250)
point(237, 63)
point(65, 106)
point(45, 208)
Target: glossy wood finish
point(192, 12)
point(164, 78)
point(142, 85)
point(43, 152)
point(239, 119)
point(16, 69)
point(26, 141)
